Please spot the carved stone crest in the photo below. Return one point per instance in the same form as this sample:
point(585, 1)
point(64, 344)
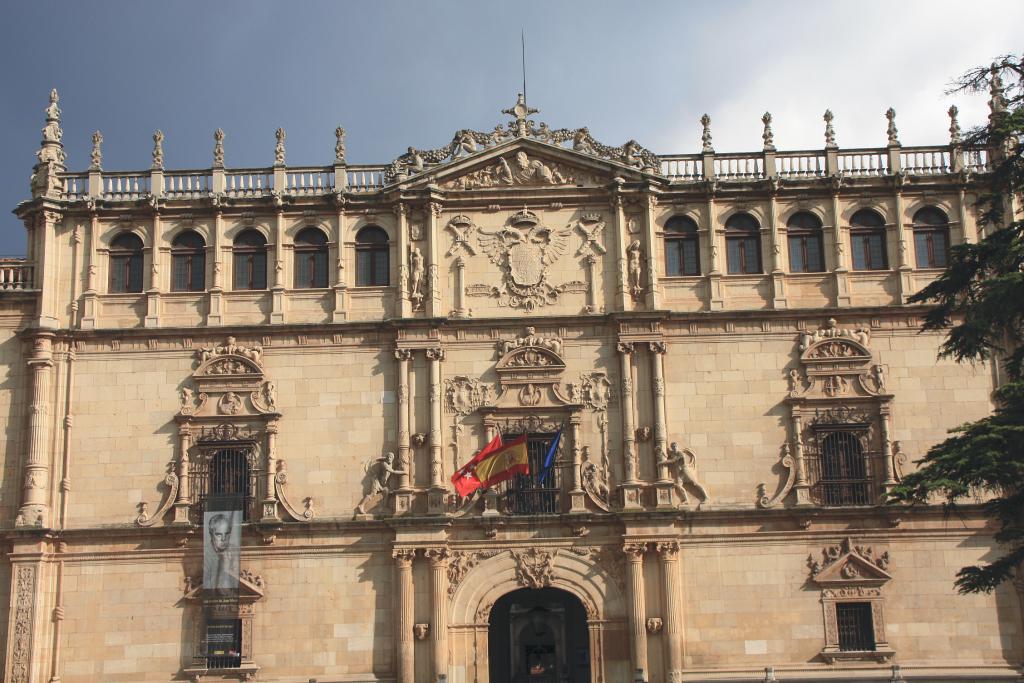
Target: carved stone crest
point(534, 568)
point(524, 250)
point(515, 169)
point(464, 395)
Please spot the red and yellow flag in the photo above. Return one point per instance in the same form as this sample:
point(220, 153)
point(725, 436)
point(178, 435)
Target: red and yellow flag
point(465, 480)
point(504, 463)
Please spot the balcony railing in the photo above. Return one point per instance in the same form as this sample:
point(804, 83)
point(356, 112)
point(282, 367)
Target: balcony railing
point(537, 500)
point(15, 274)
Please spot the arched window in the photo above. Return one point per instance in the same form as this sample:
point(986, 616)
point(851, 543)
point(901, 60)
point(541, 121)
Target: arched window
point(250, 262)
point(126, 263)
point(867, 241)
point(742, 244)
point(372, 257)
point(310, 259)
point(682, 247)
point(188, 262)
point(806, 254)
point(931, 238)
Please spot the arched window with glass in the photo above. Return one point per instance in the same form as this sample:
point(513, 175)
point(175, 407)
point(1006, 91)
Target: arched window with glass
point(188, 262)
point(310, 259)
point(372, 263)
point(682, 247)
point(806, 253)
point(250, 260)
point(867, 241)
point(743, 244)
point(931, 238)
point(126, 263)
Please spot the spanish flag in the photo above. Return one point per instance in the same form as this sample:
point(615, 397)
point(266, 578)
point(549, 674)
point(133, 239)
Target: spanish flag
point(504, 463)
point(465, 480)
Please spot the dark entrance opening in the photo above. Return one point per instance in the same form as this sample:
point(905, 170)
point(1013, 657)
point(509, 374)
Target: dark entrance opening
point(538, 636)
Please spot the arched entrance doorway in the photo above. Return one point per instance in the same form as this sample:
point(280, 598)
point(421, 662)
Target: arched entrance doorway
point(538, 636)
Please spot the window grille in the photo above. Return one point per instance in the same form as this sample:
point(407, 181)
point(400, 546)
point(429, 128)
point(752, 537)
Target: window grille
point(840, 468)
point(223, 472)
point(223, 643)
point(856, 627)
point(525, 494)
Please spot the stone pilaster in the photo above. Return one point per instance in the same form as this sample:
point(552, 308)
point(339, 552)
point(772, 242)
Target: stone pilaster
point(215, 311)
point(622, 298)
point(402, 499)
point(277, 315)
point(402, 244)
point(716, 300)
point(340, 313)
point(800, 485)
point(636, 603)
point(460, 311)
point(433, 289)
point(36, 472)
point(906, 281)
point(653, 279)
point(153, 292)
point(671, 608)
point(841, 273)
point(776, 245)
point(438, 559)
point(46, 269)
point(631, 486)
point(181, 503)
point(436, 494)
point(21, 625)
point(270, 500)
point(576, 496)
point(90, 296)
point(404, 614)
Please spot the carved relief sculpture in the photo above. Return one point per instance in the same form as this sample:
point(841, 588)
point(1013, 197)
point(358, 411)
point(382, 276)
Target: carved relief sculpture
point(416, 277)
point(682, 462)
point(379, 471)
point(635, 269)
point(534, 568)
point(524, 250)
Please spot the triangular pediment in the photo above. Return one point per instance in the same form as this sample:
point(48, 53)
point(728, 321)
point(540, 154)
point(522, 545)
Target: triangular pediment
point(525, 163)
point(848, 564)
point(250, 587)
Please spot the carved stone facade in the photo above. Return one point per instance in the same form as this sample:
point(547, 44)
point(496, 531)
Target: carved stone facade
point(715, 428)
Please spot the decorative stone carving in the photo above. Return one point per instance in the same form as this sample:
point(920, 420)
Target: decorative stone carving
point(461, 563)
point(96, 156)
point(24, 623)
point(682, 463)
point(521, 171)
point(188, 400)
point(265, 400)
point(654, 625)
point(468, 142)
point(158, 150)
point(416, 271)
point(594, 478)
point(421, 631)
point(596, 390)
point(529, 372)
point(830, 132)
point(768, 136)
point(279, 147)
point(419, 439)
point(635, 269)
point(831, 330)
point(955, 138)
point(379, 471)
point(231, 348)
point(144, 519)
point(229, 404)
point(534, 568)
point(524, 250)
point(464, 395)
point(787, 464)
point(531, 340)
point(461, 227)
point(339, 145)
point(590, 227)
point(890, 131)
point(849, 561)
point(218, 148)
point(280, 480)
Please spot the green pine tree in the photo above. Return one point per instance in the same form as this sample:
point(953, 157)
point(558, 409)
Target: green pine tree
point(979, 301)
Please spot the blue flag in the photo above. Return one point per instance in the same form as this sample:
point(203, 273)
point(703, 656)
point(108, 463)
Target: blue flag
point(549, 458)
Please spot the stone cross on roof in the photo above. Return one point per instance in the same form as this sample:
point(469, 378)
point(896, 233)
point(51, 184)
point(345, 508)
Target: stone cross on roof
point(521, 110)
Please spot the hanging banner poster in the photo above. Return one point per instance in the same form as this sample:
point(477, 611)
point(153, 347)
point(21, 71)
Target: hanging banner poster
point(222, 525)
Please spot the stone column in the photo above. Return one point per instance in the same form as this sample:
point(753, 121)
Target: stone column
point(622, 297)
point(776, 245)
point(653, 282)
point(436, 494)
point(270, 499)
point(460, 289)
point(802, 488)
point(89, 297)
point(404, 617)
point(664, 485)
point(716, 301)
point(631, 485)
point(277, 290)
point(403, 494)
point(46, 269)
point(438, 559)
point(890, 473)
point(576, 498)
point(592, 303)
point(671, 608)
point(181, 504)
point(215, 311)
point(153, 293)
point(841, 273)
point(906, 281)
point(432, 292)
point(36, 473)
point(340, 313)
point(402, 244)
point(637, 610)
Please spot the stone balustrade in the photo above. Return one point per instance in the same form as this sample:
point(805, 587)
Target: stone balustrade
point(15, 274)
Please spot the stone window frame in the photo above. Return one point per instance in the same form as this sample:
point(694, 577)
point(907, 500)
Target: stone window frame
point(250, 590)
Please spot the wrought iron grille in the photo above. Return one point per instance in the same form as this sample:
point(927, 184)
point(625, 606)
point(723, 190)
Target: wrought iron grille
point(526, 494)
point(224, 643)
point(224, 471)
point(840, 468)
point(856, 628)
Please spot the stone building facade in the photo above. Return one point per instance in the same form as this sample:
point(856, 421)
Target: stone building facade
point(722, 340)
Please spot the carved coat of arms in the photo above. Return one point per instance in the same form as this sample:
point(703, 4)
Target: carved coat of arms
point(524, 249)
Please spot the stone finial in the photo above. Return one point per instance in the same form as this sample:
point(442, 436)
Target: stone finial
point(218, 148)
point(830, 132)
point(97, 153)
point(52, 110)
point(891, 131)
point(954, 126)
point(339, 145)
point(158, 151)
point(705, 136)
point(768, 136)
point(997, 100)
point(279, 147)
point(45, 179)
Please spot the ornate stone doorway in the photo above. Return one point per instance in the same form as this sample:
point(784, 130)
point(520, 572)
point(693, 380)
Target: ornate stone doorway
point(538, 636)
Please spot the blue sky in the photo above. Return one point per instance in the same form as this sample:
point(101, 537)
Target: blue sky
point(396, 74)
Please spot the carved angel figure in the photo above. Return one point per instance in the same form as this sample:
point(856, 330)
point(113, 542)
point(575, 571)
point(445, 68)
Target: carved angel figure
point(379, 483)
point(581, 143)
point(683, 461)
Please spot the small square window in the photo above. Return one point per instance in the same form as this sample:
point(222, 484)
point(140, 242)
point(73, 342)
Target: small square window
point(856, 628)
